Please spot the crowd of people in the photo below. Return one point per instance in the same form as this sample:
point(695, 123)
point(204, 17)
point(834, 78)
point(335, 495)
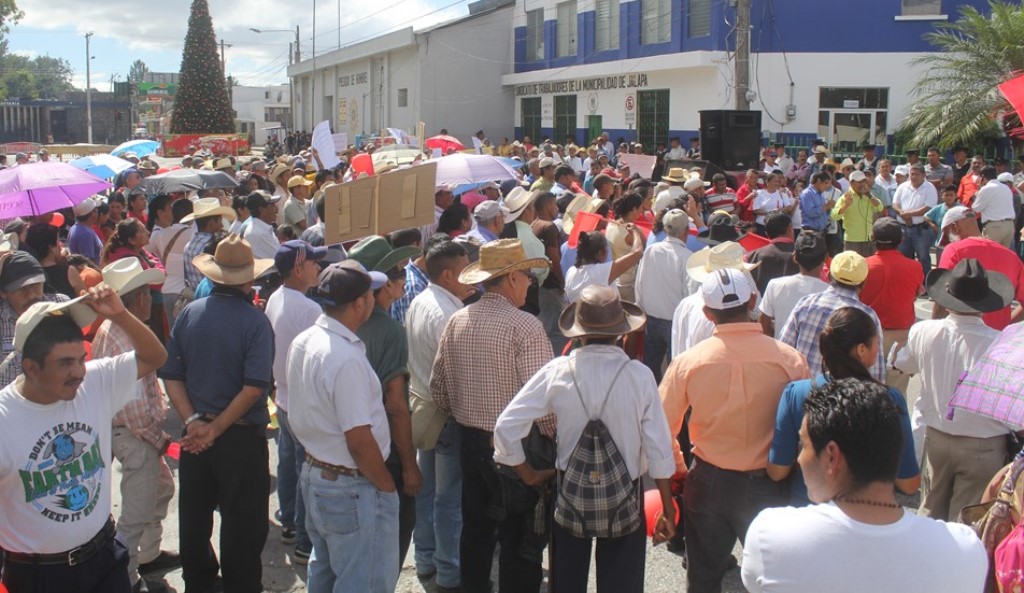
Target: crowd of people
point(512, 375)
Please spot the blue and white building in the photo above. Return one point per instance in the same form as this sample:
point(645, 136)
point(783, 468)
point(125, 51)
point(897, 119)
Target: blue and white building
point(642, 69)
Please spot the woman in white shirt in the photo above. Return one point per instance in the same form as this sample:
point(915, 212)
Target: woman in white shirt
point(594, 264)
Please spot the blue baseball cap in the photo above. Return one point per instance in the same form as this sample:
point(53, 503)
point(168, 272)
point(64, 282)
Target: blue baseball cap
point(291, 254)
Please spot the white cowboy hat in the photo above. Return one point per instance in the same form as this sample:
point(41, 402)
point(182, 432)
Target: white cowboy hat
point(127, 274)
point(517, 201)
point(80, 312)
point(728, 254)
point(207, 207)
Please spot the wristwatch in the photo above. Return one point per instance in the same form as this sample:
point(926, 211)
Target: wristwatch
point(193, 418)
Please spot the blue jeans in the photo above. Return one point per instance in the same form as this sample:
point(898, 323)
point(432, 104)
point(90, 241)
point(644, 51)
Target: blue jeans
point(439, 509)
point(917, 244)
point(290, 455)
point(657, 342)
point(354, 529)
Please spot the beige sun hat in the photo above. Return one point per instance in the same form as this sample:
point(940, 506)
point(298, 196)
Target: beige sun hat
point(728, 254)
point(676, 175)
point(575, 207)
point(233, 263)
point(207, 207)
point(127, 274)
point(518, 200)
point(498, 258)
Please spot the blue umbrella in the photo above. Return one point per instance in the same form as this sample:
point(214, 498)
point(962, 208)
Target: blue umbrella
point(104, 166)
point(141, 148)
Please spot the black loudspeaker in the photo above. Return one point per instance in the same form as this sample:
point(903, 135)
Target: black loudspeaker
point(731, 139)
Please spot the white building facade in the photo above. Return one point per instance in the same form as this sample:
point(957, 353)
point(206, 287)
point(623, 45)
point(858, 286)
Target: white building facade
point(262, 110)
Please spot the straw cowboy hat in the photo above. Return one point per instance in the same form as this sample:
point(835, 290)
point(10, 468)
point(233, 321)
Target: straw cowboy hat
point(600, 312)
point(498, 258)
point(676, 175)
point(127, 274)
point(232, 264)
point(518, 200)
point(577, 205)
point(724, 255)
point(207, 207)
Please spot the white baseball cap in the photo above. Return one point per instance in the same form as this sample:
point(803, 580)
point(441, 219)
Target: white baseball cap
point(727, 288)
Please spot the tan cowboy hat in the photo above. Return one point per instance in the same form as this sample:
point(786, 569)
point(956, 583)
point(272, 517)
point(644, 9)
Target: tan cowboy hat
point(232, 264)
point(676, 175)
point(728, 254)
point(127, 274)
point(278, 170)
point(518, 200)
point(575, 207)
point(600, 312)
point(498, 258)
point(207, 207)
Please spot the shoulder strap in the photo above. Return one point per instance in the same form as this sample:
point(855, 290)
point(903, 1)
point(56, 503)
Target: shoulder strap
point(170, 246)
point(611, 386)
point(1010, 483)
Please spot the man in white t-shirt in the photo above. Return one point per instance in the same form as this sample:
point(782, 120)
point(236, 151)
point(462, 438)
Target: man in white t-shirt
point(290, 313)
point(782, 294)
point(851, 442)
point(771, 199)
point(55, 459)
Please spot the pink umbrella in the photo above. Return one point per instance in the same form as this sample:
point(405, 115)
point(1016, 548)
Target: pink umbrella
point(443, 142)
point(38, 188)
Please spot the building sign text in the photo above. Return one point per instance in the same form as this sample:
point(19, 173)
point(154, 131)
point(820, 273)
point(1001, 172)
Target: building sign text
point(600, 83)
point(352, 79)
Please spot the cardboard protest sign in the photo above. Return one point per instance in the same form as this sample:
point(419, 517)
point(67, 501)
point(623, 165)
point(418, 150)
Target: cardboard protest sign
point(405, 198)
point(350, 210)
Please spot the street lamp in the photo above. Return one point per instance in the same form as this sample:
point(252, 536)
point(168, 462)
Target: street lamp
point(298, 58)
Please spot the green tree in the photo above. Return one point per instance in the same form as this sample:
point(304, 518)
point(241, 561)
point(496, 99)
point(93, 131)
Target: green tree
point(137, 71)
point(957, 99)
point(202, 105)
point(9, 14)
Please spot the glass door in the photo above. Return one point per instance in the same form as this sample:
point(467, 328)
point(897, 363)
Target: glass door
point(847, 130)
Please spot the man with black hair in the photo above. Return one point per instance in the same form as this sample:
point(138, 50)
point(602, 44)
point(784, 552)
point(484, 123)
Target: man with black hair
point(437, 436)
point(775, 258)
point(783, 293)
point(731, 383)
point(415, 271)
point(545, 209)
point(260, 231)
point(55, 463)
point(994, 206)
point(850, 454)
point(314, 233)
point(564, 178)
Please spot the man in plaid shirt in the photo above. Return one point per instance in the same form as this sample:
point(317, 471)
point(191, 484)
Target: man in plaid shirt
point(206, 227)
point(847, 272)
point(488, 351)
point(138, 440)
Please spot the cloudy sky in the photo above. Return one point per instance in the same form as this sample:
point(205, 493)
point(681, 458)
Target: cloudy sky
point(154, 31)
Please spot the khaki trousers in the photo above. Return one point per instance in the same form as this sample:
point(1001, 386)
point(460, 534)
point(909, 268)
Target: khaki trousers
point(956, 470)
point(1000, 231)
point(146, 489)
point(894, 378)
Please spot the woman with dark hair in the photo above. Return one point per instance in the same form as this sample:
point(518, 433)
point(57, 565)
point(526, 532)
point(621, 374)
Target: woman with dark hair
point(455, 220)
point(117, 205)
point(61, 278)
point(129, 240)
point(849, 347)
point(167, 240)
point(594, 264)
point(137, 204)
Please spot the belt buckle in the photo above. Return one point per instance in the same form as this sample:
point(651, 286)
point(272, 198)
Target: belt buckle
point(72, 558)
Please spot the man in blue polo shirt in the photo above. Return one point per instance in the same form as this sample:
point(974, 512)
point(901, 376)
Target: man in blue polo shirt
point(217, 375)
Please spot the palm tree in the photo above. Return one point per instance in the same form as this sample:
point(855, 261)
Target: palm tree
point(958, 101)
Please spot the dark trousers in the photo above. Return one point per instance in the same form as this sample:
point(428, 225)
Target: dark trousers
point(481, 532)
point(657, 344)
point(620, 561)
point(406, 508)
point(719, 507)
point(105, 572)
point(233, 476)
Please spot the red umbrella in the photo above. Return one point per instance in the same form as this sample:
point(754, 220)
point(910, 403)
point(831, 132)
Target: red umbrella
point(443, 142)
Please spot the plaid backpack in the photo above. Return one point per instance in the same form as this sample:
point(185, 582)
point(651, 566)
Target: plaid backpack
point(596, 495)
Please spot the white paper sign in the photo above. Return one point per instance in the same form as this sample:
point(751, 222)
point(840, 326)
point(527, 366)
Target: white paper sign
point(401, 136)
point(639, 163)
point(340, 142)
point(478, 145)
point(323, 142)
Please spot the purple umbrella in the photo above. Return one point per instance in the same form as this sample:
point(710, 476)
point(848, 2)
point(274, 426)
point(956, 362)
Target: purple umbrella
point(38, 188)
point(992, 387)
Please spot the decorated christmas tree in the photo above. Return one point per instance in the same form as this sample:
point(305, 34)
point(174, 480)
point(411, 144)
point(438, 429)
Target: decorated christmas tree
point(202, 105)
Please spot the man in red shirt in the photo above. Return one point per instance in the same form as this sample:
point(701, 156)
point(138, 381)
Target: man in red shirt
point(970, 183)
point(745, 196)
point(962, 239)
point(893, 284)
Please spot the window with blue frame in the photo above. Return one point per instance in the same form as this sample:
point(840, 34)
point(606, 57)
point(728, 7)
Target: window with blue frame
point(606, 25)
point(655, 21)
point(566, 27)
point(699, 24)
point(530, 109)
point(535, 35)
point(565, 117)
point(921, 7)
point(652, 117)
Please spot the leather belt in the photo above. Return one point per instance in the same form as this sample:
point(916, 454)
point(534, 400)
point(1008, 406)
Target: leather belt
point(70, 558)
point(340, 470)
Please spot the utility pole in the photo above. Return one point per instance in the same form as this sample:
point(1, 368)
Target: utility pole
point(298, 51)
point(88, 87)
point(742, 54)
point(339, 24)
point(223, 62)
point(312, 91)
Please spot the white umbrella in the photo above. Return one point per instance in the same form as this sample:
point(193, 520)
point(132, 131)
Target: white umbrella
point(460, 168)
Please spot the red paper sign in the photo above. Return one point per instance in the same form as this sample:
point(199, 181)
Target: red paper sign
point(585, 222)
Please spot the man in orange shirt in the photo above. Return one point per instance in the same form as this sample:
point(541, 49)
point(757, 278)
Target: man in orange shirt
point(732, 381)
point(970, 182)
